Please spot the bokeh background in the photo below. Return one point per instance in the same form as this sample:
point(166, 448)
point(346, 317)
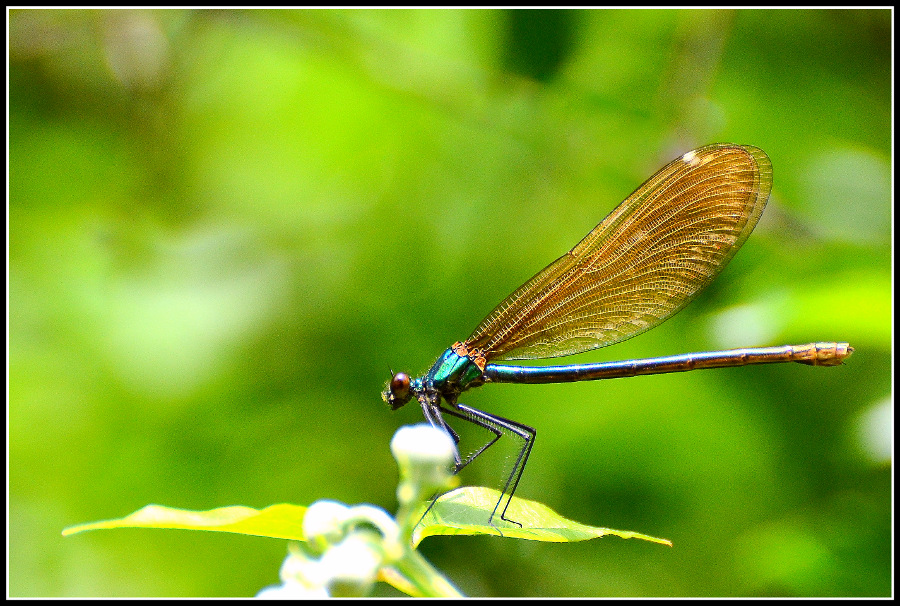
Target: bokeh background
point(226, 226)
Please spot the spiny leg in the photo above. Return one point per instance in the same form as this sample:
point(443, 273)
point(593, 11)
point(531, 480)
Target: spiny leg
point(483, 420)
point(499, 425)
point(496, 425)
point(475, 420)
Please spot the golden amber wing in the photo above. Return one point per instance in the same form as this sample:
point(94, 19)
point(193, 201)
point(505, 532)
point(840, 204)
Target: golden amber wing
point(643, 263)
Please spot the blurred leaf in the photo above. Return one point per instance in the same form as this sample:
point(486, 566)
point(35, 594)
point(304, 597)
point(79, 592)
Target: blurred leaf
point(844, 190)
point(463, 512)
point(281, 521)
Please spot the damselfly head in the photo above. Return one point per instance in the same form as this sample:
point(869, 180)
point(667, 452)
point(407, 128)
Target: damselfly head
point(397, 391)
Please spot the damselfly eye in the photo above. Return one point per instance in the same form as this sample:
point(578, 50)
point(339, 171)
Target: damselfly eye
point(400, 386)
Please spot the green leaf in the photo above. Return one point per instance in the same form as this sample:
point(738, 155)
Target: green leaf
point(281, 521)
point(466, 511)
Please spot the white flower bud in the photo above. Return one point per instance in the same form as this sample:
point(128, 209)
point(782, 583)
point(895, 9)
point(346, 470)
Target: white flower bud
point(350, 567)
point(324, 522)
point(422, 445)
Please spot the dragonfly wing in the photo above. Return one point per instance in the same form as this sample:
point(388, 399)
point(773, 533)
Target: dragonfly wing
point(643, 263)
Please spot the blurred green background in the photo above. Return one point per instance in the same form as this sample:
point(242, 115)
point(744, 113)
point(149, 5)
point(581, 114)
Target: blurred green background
point(226, 227)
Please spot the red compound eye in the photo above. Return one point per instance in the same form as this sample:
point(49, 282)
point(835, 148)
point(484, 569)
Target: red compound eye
point(400, 386)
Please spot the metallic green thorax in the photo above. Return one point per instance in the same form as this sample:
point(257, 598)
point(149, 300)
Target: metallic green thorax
point(452, 374)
